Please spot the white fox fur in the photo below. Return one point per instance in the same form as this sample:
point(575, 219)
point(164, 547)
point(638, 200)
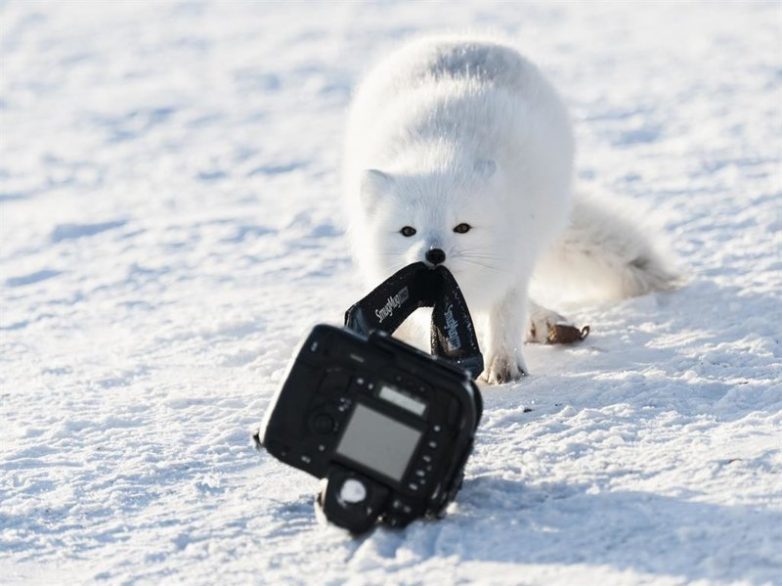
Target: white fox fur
point(459, 130)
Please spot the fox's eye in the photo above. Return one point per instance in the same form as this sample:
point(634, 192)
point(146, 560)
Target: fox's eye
point(462, 228)
point(407, 231)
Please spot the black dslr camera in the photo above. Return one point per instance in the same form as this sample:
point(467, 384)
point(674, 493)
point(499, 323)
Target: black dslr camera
point(388, 427)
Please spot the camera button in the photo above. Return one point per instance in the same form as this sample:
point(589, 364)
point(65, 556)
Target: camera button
point(360, 386)
point(399, 505)
point(424, 466)
point(323, 423)
point(353, 491)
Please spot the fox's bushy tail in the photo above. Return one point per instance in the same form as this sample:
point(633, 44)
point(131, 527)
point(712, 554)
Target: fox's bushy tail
point(607, 252)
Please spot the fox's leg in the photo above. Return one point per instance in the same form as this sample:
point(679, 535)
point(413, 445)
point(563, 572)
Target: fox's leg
point(549, 327)
point(504, 339)
point(415, 330)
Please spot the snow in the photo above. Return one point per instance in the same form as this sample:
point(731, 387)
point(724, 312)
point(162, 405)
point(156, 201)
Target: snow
point(170, 227)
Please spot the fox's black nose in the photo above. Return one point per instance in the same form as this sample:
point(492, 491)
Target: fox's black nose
point(435, 256)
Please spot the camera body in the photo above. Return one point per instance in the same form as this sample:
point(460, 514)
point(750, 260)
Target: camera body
point(389, 427)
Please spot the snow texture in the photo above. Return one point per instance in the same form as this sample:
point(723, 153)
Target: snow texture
point(171, 227)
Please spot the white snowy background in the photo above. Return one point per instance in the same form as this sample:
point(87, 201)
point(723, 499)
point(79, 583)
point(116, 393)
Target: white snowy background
point(170, 227)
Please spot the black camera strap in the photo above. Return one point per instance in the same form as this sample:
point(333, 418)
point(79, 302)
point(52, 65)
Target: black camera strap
point(417, 285)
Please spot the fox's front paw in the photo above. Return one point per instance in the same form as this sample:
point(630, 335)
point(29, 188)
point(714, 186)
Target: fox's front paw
point(504, 368)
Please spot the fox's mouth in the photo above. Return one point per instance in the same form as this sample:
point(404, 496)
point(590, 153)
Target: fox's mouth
point(434, 266)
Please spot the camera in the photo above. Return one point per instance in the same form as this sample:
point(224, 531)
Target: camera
point(388, 427)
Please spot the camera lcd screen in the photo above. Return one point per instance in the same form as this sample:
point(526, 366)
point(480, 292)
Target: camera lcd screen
point(378, 442)
point(402, 400)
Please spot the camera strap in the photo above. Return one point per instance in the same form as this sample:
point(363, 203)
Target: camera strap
point(417, 285)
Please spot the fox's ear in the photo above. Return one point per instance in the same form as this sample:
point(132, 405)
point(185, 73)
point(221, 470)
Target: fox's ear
point(374, 184)
point(485, 168)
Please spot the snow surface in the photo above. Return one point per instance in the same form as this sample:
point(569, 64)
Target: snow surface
point(171, 227)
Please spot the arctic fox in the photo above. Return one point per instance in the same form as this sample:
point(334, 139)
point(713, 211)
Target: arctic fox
point(459, 152)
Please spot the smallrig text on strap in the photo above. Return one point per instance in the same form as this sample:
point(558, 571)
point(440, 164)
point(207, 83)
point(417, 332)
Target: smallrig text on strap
point(417, 285)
